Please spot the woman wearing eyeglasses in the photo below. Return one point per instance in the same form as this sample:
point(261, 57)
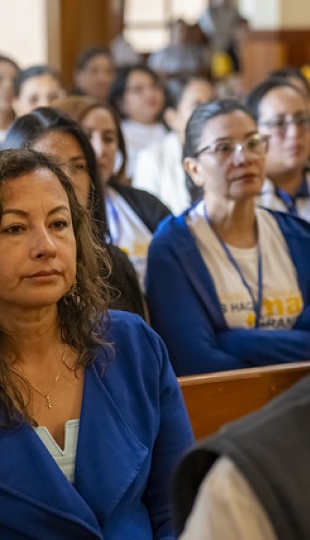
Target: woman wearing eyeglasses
point(281, 111)
point(228, 283)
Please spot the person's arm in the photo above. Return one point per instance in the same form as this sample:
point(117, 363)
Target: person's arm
point(227, 508)
point(173, 439)
point(260, 347)
point(179, 316)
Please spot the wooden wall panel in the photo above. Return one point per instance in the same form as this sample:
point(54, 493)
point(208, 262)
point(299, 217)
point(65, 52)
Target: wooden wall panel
point(74, 25)
point(264, 51)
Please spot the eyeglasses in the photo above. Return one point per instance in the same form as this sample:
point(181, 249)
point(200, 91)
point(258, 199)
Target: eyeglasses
point(279, 126)
point(256, 144)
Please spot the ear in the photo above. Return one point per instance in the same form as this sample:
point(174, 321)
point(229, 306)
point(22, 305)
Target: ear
point(170, 117)
point(15, 105)
point(193, 169)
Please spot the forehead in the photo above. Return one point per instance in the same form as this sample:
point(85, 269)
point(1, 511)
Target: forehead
point(196, 91)
point(42, 82)
point(99, 118)
point(235, 125)
point(282, 100)
point(139, 77)
point(62, 145)
point(99, 61)
point(19, 192)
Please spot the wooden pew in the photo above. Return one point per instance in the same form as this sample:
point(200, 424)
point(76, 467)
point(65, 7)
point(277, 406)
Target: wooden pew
point(217, 398)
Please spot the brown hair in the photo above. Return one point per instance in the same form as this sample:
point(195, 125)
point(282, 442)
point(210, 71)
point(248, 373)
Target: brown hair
point(79, 314)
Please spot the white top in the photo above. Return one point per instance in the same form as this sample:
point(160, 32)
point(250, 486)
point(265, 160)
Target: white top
point(138, 136)
point(159, 170)
point(128, 232)
point(226, 508)
point(269, 198)
point(65, 458)
point(282, 299)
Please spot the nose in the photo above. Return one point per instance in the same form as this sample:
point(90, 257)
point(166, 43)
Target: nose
point(42, 245)
point(292, 130)
point(239, 155)
point(97, 143)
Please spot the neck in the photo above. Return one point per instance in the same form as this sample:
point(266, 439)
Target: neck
point(6, 118)
point(34, 333)
point(233, 222)
point(289, 181)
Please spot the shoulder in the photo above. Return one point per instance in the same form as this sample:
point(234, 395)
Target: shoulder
point(172, 229)
point(291, 226)
point(137, 356)
point(130, 334)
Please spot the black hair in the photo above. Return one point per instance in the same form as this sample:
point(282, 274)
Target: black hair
point(27, 129)
point(255, 97)
point(33, 71)
point(289, 73)
point(90, 53)
point(195, 127)
point(119, 85)
point(175, 87)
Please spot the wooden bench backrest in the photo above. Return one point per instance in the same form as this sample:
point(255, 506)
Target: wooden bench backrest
point(213, 400)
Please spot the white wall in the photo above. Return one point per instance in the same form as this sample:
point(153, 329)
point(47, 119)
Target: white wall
point(23, 34)
point(276, 14)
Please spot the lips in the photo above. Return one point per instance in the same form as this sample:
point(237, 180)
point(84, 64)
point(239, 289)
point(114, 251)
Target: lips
point(44, 273)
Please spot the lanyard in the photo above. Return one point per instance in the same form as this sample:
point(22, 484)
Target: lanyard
point(290, 202)
point(114, 222)
point(257, 304)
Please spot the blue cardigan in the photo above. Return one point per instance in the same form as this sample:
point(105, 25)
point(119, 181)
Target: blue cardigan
point(133, 429)
point(186, 312)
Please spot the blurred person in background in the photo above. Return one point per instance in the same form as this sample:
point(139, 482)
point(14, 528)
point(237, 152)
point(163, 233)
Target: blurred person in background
point(293, 75)
point(281, 111)
point(223, 25)
point(94, 73)
point(132, 214)
point(183, 55)
point(138, 96)
point(159, 168)
point(36, 86)
point(8, 71)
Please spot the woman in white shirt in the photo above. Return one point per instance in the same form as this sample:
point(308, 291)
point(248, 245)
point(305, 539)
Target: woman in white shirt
point(138, 96)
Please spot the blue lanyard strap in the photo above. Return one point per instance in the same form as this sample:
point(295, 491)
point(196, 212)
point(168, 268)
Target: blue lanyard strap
point(257, 304)
point(288, 200)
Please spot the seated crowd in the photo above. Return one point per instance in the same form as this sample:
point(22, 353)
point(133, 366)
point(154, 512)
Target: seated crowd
point(149, 230)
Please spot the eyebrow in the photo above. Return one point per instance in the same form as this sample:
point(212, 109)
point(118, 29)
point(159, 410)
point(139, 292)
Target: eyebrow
point(24, 214)
point(230, 138)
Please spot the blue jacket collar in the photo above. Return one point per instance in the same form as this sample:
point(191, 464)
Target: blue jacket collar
point(33, 488)
point(184, 248)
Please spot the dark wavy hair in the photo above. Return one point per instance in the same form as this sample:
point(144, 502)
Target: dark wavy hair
point(80, 313)
point(195, 127)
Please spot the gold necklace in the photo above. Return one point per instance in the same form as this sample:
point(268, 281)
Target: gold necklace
point(47, 395)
